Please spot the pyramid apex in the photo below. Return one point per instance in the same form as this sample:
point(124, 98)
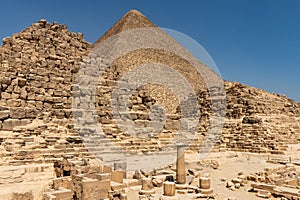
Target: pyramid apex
point(131, 20)
point(134, 11)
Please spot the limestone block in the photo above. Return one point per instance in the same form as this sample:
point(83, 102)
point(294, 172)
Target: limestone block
point(204, 184)
point(107, 169)
point(263, 194)
point(62, 194)
point(147, 186)
point(117, 186)
point(5, 80)
point(5, 95)
point(21, 82)
point(169, 188)
point(22, 196)
point(15, 96)
point(94, 189)
point(118, 176)
point(103, 176)
point(157, 182)
point(105, 187)
point(4, 114)
point(30, 113)
point(17, 113)
point(9, 124)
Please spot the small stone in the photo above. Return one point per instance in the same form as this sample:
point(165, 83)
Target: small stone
point(223, 179)
point(236, 180)
point(229, 184)
point(157, 182)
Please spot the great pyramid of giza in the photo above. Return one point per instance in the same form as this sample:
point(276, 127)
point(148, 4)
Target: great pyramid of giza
point(38, 71)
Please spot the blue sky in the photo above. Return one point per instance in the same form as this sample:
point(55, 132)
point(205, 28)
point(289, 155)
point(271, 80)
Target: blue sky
point(255, 42)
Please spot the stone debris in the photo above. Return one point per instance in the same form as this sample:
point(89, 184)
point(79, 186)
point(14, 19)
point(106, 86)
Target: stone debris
point(280, 182)
point(22, 196)
point(83, 179)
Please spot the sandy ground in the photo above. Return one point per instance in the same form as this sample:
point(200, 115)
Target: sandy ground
point(36, 178)
point(230, 164)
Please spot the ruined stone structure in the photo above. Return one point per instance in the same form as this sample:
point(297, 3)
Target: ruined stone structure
point(38, 71)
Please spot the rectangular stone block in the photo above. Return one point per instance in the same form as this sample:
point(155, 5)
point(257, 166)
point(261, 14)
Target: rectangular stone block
point(118, 176)
point(117, 186)
point(15, 96)
point(105, 187)
point(103, 176)
point(22, 196)
point(93, 189)
point(30, 113)
point(5, 80)
point(4, 114)
point(263, 186)
point(62, 182)
point(17, 113)
point(9, 124)
point(13, 102)
point(107, 169)
point(5, 95)
point(62, 194)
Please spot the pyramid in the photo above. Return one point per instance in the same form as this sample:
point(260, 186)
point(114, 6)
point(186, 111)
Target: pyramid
point(133, 20)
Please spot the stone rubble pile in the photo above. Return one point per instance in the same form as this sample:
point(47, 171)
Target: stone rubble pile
point(258, 121)
point(86, 179)
point(282, 182)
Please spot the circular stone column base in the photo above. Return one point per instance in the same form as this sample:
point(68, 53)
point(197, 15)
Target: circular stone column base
point(206, 191)
point(181, 186)
point(163, 197)
point(147, 192)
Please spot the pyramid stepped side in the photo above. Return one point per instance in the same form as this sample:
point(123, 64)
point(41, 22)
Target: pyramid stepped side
point(259, 121)
point(38, 66)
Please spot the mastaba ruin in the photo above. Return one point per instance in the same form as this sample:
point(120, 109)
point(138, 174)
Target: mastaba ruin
point(44, 157)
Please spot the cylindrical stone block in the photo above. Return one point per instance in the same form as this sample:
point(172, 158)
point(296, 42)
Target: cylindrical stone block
point(180, 165)
point(169, 188)
point(204, 183)
point(147, 184)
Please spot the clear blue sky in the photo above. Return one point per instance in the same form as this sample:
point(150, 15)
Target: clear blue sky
point(255, 42)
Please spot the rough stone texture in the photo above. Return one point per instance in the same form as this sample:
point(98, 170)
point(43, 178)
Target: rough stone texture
point(22, 196)
point(282, 181)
